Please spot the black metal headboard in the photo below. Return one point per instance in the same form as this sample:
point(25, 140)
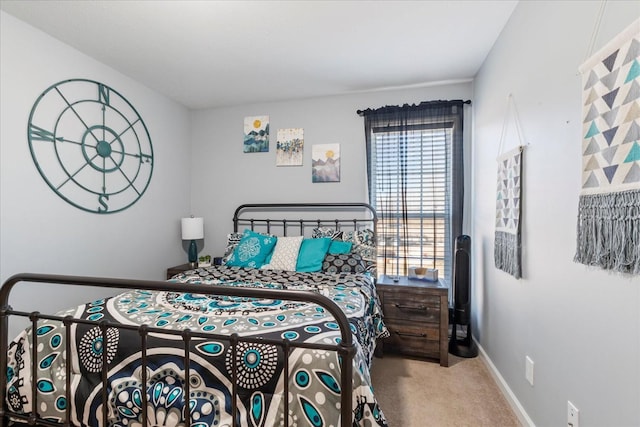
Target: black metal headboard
point(265, 216)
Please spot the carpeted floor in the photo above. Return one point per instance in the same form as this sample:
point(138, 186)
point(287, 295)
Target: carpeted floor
point(417, 393)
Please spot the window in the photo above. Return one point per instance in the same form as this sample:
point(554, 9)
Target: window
point(415, 184)
point(413, 206)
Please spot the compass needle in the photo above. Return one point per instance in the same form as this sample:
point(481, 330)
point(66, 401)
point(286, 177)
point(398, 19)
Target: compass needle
point(74, 111)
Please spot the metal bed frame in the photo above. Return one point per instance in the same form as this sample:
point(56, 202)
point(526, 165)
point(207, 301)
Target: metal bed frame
point(240, 216)
point(346, 348)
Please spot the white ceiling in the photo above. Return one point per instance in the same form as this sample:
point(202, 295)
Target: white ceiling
point(207, 54)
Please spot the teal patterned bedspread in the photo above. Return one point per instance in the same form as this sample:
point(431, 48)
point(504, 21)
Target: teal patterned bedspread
point(314, 375)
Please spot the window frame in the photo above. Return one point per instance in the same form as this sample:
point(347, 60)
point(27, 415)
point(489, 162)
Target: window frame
point(440, 259)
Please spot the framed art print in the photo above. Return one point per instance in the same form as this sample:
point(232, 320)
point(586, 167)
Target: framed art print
point(325, 163)
point(256, 134)
point(289, 147)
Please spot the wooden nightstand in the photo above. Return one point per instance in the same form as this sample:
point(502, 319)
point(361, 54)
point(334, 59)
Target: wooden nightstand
point(172, 271)
point(416, 313)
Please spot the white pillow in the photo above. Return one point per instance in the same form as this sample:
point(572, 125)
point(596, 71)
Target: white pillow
point(285, 253)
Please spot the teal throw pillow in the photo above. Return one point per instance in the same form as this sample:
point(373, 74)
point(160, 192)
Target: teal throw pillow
point(339, 247)
point(252, 250)
point(311, 254)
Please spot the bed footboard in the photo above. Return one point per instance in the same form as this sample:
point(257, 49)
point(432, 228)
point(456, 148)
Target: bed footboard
point(346, 348)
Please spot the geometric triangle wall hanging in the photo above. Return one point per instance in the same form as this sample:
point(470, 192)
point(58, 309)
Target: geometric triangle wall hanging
point(507, 243)
point(608, 220)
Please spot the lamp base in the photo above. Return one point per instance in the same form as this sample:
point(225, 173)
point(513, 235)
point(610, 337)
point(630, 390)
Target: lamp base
point(193, 252)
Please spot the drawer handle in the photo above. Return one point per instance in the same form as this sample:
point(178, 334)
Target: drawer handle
point(409, 334)
point(411, 307)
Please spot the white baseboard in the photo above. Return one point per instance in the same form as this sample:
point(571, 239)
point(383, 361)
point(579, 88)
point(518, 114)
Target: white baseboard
point(522, 415)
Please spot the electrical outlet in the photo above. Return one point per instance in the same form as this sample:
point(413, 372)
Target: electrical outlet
point(572, 415)
point(528, 370)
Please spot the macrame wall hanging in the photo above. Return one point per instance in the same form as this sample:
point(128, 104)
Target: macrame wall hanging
point(608, 229)
point(507, 250)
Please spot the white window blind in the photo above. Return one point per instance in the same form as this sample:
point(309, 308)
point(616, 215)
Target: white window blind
point(411, 193)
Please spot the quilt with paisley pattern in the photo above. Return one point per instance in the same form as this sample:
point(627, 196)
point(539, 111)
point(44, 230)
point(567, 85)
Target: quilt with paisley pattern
point(314, 374)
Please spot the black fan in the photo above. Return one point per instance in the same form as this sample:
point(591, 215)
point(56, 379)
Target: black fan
point(461, 313)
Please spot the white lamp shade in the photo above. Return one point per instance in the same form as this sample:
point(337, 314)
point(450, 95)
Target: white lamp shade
point(192, 228)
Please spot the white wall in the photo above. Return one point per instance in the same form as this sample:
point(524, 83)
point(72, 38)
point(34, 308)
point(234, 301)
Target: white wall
point(580, 325)
point(40, 232)
point(224, 177)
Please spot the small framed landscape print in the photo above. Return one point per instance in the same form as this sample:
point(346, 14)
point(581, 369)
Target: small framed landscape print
point(325, 163)
point(289, 148)
point(256, 134)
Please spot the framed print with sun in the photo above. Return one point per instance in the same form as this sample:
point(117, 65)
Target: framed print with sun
point(256, 134)
point(325, 163)
point(289, 147)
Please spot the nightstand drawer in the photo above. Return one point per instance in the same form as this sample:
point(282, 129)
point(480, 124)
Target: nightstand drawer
point(414, 308)
point(413, 339)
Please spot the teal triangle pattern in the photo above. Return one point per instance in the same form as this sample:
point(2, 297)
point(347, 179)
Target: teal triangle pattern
point(634, 72)
point(593, 130)
point(611, 119)
point(634, 154)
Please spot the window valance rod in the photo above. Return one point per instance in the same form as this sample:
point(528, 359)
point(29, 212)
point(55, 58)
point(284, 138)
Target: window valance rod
point(414, 107)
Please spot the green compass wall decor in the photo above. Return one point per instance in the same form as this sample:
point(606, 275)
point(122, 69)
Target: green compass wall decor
point(90, 145)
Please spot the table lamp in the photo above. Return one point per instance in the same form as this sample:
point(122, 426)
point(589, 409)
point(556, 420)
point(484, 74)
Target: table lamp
point(192, 229)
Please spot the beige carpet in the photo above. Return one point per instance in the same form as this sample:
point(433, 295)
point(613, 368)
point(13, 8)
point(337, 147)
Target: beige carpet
point(417, 393)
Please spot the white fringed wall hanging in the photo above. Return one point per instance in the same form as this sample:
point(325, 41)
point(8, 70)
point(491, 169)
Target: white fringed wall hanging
point(507, 249)
point(608, 229)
